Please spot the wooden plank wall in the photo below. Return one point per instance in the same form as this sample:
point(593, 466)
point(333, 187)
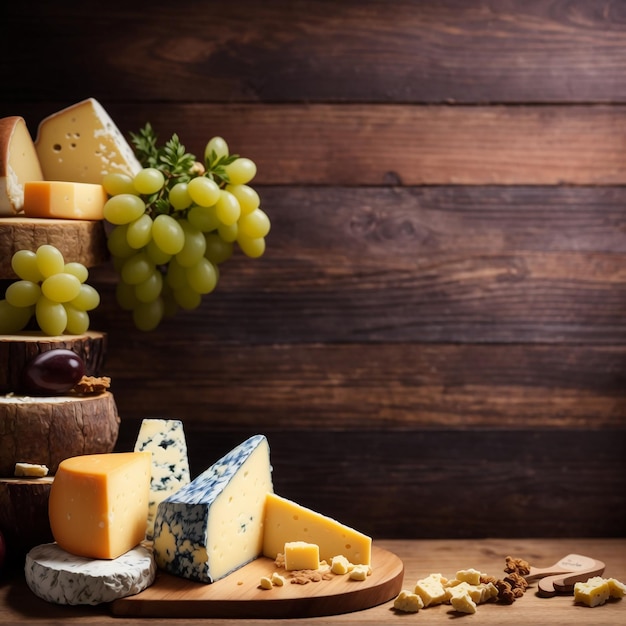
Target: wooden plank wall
point(435, 340)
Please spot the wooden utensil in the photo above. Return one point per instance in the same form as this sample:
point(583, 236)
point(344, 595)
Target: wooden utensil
point(561, 577)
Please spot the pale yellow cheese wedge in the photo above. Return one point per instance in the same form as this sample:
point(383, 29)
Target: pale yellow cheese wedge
point(98, 504)
point(18, 164)
point(66, 200)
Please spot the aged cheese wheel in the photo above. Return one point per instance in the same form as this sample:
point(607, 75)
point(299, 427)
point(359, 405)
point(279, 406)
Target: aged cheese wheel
point(80, 241)
point(24, 513)
point(47, 430)
point(17, 350)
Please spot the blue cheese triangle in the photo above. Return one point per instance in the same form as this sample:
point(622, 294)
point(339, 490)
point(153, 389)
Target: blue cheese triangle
point(165, 439)
point(214, 525)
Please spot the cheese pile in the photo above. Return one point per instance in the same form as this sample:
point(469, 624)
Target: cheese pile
point(103, 506)
point(59, 174)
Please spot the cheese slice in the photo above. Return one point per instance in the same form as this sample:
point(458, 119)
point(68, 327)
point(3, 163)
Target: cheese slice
point(58, 576)
point(214, 525)
point(18, 164)
point(287, 521)
point(98, 503)
point(165, 440)
point(66, 200)
point(82, 143)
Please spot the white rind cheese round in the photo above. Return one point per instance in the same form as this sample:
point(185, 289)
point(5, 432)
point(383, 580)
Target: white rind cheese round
point(60, 577)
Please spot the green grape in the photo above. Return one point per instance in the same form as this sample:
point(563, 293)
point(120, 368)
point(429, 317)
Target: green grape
point(77, 320)
point(137, 268)
point(168, 234)
point(117, 242)
point(179, 197)
point(149, 180)
point(148, 315)
point(116, 183)
point(139, 232)
point(87, 299)
point(217, 145)
point(247, 197)
point(202, 277)
point(187, 298)
point(123, 209)
point(78, 270)
point(23, 293)
point(203, 218)
point(228, 233)
point(49, 260)
point(255, 224)
point(14, 318)
point(24, 264)
point(150, 289)
point(251, 247)
point(194, 246)
point(125, 296)
point(240, 171)
point(61, 287)
point(176, 276)
point(217, 250)
point(155, 254)
point(203, 191)
point(227, 208)
point(51, 316)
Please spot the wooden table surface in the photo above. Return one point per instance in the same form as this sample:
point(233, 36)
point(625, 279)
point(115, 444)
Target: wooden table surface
point(421, 557)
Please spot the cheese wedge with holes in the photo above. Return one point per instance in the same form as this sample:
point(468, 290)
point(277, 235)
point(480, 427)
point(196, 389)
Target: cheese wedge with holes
point(214, 525)
point(287, 521)
point(65, 200)
point(82, 143)
point(98, 504)
point(18, 164)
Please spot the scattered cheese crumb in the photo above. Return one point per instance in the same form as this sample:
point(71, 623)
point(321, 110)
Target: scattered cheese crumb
point(340, 565)
point(278, 580)
point(408, 602)
point(31, 470)
point(360, 572)
point(265, 583)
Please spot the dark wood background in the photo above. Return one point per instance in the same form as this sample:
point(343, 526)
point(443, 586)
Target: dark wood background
point(435, 340)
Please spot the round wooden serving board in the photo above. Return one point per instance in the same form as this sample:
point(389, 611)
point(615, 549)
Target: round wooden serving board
point(240, 596)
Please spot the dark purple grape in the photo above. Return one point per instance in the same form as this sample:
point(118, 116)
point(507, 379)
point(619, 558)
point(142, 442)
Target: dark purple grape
point(52, 372)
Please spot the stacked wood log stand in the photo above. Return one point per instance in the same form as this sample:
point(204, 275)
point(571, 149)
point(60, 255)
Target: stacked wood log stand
point(44, 430)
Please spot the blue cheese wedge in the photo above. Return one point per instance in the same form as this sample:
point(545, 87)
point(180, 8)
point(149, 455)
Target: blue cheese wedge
point(165, 439)
point(214, 525)
point(57, 576)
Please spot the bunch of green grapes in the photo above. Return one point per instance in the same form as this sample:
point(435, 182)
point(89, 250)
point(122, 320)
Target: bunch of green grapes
point(175, 222)
point(54, 291)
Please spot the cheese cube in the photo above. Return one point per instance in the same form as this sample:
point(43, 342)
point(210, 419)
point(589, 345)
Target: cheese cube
point(471, 576)
point(461, 601)
point(594, 592)
point(64, 200)
point(165, 439)
point(617, 589)
point(82, 143)
point(301, 555)
point(340, 565)
point(360, 572)
point(214, 525)
point(98, 503)
point(431, 589)
point(287, 521)
point(408, 602)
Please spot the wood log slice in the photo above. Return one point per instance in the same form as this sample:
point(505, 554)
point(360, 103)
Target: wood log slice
point(81, 241)
point(17, 350)
point(24, 518)
point(46, 430)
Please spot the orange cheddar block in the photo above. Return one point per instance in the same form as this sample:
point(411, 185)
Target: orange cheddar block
point(98, 504)
point(65, 200)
